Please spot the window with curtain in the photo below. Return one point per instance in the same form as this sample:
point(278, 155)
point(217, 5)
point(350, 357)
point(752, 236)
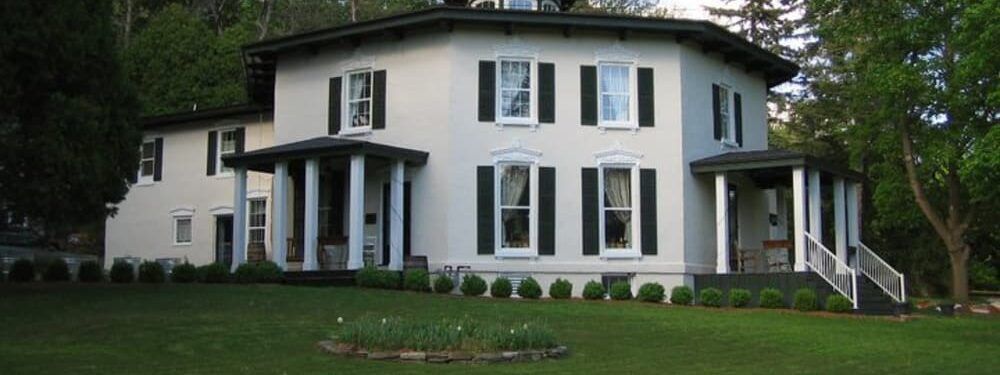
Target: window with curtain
point(148, 162)
point(515, 89)
point(727, 134)
point(521, 4)
point(182, 230)
point(615, 93)
point(359, 99)
point(227, 145)
point(485, 4)
point(550, 6)
point(617, 196)
point(515, 206)
point(256, 221)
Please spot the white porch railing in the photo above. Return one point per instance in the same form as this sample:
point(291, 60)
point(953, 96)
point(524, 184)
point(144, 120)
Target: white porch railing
point(838, 274)
point(886, 277)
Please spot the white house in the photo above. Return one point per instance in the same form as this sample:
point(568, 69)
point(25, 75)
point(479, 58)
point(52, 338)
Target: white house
point(515, 140)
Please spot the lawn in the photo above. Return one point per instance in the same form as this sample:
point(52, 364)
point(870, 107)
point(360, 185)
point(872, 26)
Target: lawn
point(272, 329)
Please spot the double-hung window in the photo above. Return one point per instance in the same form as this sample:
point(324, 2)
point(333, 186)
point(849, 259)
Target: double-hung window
point(515, 82)
point(619, 196)
point(227, 145)
point(257, 222)
point(147, 162)
point(521, 4)
point(182, 230)
point(724, 117)
point(616, 94)
point(516, 209)
point(359, 99)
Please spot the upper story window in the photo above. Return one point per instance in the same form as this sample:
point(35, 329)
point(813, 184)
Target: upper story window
point(727, 132)
point(546, 5)
point(147, 163)
point(515, 102)
point(521, 4)
point(550, 6)
point(485, 4)
point(359, 99)
point(616, 95)
point(727, 115)
point(227, 145)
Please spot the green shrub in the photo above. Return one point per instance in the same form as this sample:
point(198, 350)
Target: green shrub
point(90, 272)
point(122, 273)
point(804, 300)
point(561, 289)
point(389, 279)
point(367, 277)
point(417, 280)
point(620, 291)
point(443, 284)
point(837, 303)
point(246, 273)
point(269, 272)
point(530, 289)
point(22, 271)
point(771, 298)
point(56, 271)
point(184, 273)
point(681, 295)
point(710, 297)
point(593, 290)
point(215, 273)
point(151, 272)
point(501, 288)
point(739, 297)
point(651, 292)
point(392, 334)
point(473, 285)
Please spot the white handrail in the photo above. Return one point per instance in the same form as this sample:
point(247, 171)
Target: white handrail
point(886, 277)
point(837, 273)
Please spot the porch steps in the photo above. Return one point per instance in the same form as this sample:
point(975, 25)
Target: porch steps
point(872, 299)
point(320, 278)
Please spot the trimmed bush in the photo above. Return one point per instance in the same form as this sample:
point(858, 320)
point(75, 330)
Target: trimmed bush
point(681, 295)
point(371, 277)
point(473, 285)
point(417, 280)
point(739, 297)
point(184, 273)
point(56, 271)
point(561, 289)
point(530, 289)
point(22, 271)
point(215, 273)
point(501, 288)
point(246, 273)
point(268, 272)
point(122, 273)
point(151, 272)
point(90, 272)
point(710, 297)
point(620, 291)
point(837, 303)
point(443, 284)
point(593, 290)
point(389, 279)
point(651, 292)
point(804, 300)
point(771, 298)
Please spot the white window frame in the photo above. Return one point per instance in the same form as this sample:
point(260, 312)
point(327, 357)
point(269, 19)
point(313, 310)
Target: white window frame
point(726, 104)
point(220, 168)
point(553, 7)
point(263, 228)
point(508, 4)
point(182, 214)
point(479, 4)
point(146, 180)
point(632, 122)
point(520, 156)
point(620, 158)
point(532, 119)
point(346, 128)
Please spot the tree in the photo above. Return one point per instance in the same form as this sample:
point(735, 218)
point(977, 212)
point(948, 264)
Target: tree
point(622, 7)
point(68, 139)
point(767, 23)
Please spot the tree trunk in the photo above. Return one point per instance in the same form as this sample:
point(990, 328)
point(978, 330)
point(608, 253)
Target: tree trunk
point(959, 271)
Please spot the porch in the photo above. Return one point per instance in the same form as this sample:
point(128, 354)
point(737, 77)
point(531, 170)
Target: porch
point(336, 204)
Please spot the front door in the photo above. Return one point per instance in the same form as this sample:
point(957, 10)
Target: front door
point(386, 231)
point(224, 240)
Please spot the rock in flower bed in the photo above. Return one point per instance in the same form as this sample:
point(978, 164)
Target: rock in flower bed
point(446, 341)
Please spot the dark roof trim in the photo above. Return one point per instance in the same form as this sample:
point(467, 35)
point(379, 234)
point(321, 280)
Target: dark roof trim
point(766, 159)
point(263, 159)
point(155, 122)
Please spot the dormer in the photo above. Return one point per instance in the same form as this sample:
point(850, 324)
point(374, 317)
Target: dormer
point(526, 5)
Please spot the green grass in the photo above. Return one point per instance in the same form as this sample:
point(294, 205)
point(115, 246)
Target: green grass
point(272, 329)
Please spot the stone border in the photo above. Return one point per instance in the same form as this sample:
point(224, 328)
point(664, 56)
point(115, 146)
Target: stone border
point(444, 357)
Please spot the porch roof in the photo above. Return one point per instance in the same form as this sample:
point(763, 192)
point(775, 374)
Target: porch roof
point(760, 160)
point(262, 160)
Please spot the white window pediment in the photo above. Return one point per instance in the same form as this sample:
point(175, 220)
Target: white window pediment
point(182, 211)
point(516, 153)
point(516, 48)
point(616, 53)
point(357, 62)
point(617, 155)
point(221, 210)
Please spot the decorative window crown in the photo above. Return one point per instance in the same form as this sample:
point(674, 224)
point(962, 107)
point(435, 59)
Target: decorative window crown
point(617, 155)
point(516, 153)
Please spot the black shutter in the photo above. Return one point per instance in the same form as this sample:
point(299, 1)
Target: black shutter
point(738, 109)
point(378, 100)
point(647, 210)
point(484, 205)
point(333, 122)
point(546, 211)
point(487, 90)
point(588, 95)
point(716, 121)
point(646, 104)
point(546, 93)
point(591, 224)
point(158, 159)
point(212, 139)
point(241, 136)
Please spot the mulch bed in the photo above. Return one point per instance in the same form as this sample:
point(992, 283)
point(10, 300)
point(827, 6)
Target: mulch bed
point(457, 357)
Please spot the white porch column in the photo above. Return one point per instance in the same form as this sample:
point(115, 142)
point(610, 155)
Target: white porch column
point(853, 218)
point(815, 206)
point(721, 223)
point(799, 216)
point(356, 214)
point(279, 215)
point(311, 226)
point(840, 219)
point(239, 217)
point(396, 212)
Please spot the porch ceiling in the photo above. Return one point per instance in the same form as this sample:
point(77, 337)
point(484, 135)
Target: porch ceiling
point(262, 160)
point(769, 164)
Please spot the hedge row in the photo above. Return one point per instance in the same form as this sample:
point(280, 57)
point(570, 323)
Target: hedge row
point(23, 270)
